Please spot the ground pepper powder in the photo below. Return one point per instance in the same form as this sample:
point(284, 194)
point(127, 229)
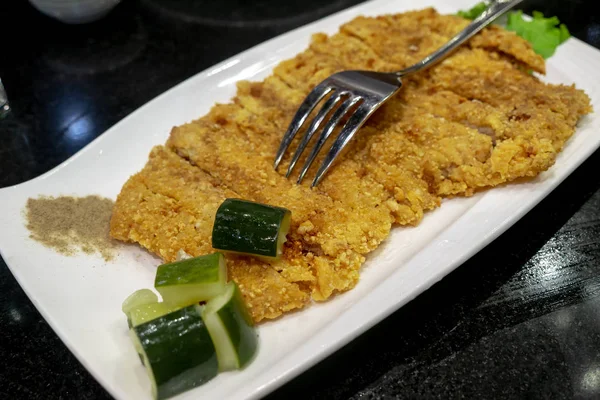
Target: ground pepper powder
point(72, 224)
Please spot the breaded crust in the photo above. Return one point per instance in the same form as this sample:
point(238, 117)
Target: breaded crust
point(476, 120)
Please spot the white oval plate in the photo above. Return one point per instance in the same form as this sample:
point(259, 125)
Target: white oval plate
point(81, 297)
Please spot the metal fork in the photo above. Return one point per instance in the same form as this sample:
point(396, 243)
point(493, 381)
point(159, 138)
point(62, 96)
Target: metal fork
point(357, 94)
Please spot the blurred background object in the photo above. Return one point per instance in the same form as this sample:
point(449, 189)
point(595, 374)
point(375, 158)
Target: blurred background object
point(258, 14)
point(75, 11)
point(4, 107)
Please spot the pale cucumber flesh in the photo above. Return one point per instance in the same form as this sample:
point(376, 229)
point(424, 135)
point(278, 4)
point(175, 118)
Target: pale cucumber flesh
point(283, 231)
point(192, 280)
point(145, 362)
point(138, 298)
point(148, 312)
point(226, 354)
point(230, 328)
point(239, 325)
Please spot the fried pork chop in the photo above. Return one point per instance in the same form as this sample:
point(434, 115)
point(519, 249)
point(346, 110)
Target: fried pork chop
point(474, 121)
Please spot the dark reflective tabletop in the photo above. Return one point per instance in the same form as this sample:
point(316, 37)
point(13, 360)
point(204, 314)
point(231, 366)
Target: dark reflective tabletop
point(521, 319)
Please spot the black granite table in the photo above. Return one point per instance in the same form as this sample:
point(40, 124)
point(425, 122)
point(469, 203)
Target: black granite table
point(521, 319)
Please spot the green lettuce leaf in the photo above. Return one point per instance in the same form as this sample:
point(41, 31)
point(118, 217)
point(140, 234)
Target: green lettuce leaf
point(544, 34)
point(474, 11)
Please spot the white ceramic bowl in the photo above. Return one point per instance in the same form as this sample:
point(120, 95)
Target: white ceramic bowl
point(75, 11)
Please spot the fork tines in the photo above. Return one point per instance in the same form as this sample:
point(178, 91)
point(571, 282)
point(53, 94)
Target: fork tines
point(329, 116)
point(348, 99)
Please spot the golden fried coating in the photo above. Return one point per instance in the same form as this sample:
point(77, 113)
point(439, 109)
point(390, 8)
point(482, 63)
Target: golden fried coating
point(170, 205)
point(476, 120)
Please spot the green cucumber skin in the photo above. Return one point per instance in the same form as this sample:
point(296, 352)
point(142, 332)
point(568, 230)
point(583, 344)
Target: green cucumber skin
point(203, 269)
point(243, 339)
point(179, 350)
point(247, 227)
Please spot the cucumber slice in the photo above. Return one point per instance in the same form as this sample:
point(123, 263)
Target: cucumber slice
point(193, 280)
point(247, 227)
point(138, 298)
point(230, 327)
point(148, 312)
point(177, 351)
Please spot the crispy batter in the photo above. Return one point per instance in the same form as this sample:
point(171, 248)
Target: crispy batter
point(476, 120)
point(170, 205)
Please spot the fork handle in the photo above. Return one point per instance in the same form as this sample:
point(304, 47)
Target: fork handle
point(496, 9)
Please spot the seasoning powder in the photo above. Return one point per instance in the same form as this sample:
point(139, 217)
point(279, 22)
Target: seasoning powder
point(71, 224)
